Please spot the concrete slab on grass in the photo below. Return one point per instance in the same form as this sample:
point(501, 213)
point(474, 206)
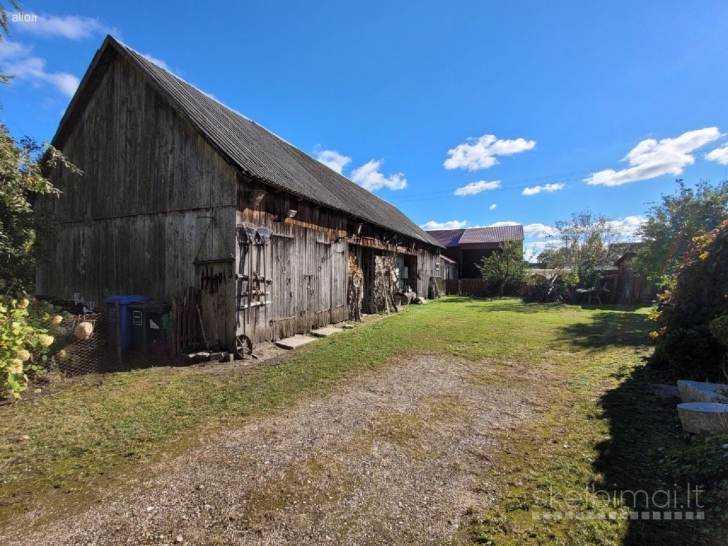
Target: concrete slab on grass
point(697, 391)
point(294, 342)
point(326, 332)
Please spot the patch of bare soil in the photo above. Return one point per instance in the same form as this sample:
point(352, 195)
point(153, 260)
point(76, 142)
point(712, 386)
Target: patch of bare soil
point(389, 458)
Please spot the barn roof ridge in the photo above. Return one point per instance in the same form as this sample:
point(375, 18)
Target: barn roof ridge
point(248, 146)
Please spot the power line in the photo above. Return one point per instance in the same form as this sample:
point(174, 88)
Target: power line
point(511, 185)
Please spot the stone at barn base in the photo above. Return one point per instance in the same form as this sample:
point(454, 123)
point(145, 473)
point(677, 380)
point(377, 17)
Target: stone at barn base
point(294, 342)
point(202, 357)
point(326, 332)
point(217, 356)
point(420, 300)
point(697, 391)
point(704, 417)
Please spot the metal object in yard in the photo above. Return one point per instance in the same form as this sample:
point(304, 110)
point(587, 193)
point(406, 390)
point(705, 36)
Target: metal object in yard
point(243, 346)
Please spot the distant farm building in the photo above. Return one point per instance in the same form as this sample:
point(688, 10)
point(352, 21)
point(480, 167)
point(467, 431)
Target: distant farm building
point(466, 248)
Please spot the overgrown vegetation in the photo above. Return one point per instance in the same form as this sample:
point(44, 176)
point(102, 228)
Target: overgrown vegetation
point(691, 318)
point(672, 224)
point(24, 168)
point(24, 341)
point(599, 423)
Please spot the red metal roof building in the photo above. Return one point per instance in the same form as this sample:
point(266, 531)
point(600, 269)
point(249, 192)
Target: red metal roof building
point(469, 246)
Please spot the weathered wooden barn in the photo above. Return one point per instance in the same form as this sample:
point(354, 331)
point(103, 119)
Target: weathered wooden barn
point(178, 190)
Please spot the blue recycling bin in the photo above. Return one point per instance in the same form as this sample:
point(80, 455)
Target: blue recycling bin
point(124, 319)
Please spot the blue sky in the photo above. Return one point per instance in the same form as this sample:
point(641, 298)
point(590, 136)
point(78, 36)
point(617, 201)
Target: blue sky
point(462, 113)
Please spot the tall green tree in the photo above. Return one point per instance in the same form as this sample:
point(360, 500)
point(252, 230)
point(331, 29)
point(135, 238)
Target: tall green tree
point(505, 267)
point(581, 245)
point(674, 222)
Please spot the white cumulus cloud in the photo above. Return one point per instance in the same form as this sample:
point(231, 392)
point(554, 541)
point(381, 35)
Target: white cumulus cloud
point(545, 187)
point(369, 177)
point(532, 249)
point(17, 60)
point(627, 227)
point(539, 231)
point(481, 153)
point(332, 159)
point(493, 206)
point(652, 158)
point(506, 223)
point(475, 188)
point(72, 27)
point(452, 224)
point(719, 155)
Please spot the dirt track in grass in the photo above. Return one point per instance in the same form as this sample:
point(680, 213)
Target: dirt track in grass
point(387, 457)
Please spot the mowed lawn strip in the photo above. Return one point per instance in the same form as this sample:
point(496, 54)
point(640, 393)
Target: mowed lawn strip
point(103, 428)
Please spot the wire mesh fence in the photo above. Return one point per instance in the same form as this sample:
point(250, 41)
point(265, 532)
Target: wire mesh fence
point(95, 354)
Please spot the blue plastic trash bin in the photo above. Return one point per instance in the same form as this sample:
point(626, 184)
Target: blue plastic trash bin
point(124, 319)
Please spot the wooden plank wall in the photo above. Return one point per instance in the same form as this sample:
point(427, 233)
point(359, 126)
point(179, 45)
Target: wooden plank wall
point(134, 222)
point(306, 264)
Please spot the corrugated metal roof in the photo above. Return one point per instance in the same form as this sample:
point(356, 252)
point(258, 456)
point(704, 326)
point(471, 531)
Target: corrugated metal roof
point(495, 234)
point(451, 238)
point(264, 156)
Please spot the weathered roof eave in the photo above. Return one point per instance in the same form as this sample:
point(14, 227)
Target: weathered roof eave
point(92, 78)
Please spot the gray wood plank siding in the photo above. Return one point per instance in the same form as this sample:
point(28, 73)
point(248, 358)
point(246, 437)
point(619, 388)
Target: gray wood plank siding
point(134, 222)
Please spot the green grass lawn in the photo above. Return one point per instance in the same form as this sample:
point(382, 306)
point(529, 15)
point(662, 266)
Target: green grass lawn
point(600, 423)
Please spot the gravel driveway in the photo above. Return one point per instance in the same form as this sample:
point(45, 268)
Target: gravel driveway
point(388, 458)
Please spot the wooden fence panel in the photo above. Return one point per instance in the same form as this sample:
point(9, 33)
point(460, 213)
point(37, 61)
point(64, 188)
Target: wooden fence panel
point(465, 287)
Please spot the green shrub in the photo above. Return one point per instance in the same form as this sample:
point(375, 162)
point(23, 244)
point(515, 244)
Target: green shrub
point(692, 353)
point(692, 318)
point(719, 329)
point(24, 341)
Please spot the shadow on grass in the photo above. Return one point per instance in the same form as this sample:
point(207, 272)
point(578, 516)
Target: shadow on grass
point(615, 328)
point(647, 453)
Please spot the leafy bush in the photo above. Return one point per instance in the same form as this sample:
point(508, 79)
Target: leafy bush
point(672, 224)
point(24, 341)
point(719, 329)
point(692, 318)
point(690, 353)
